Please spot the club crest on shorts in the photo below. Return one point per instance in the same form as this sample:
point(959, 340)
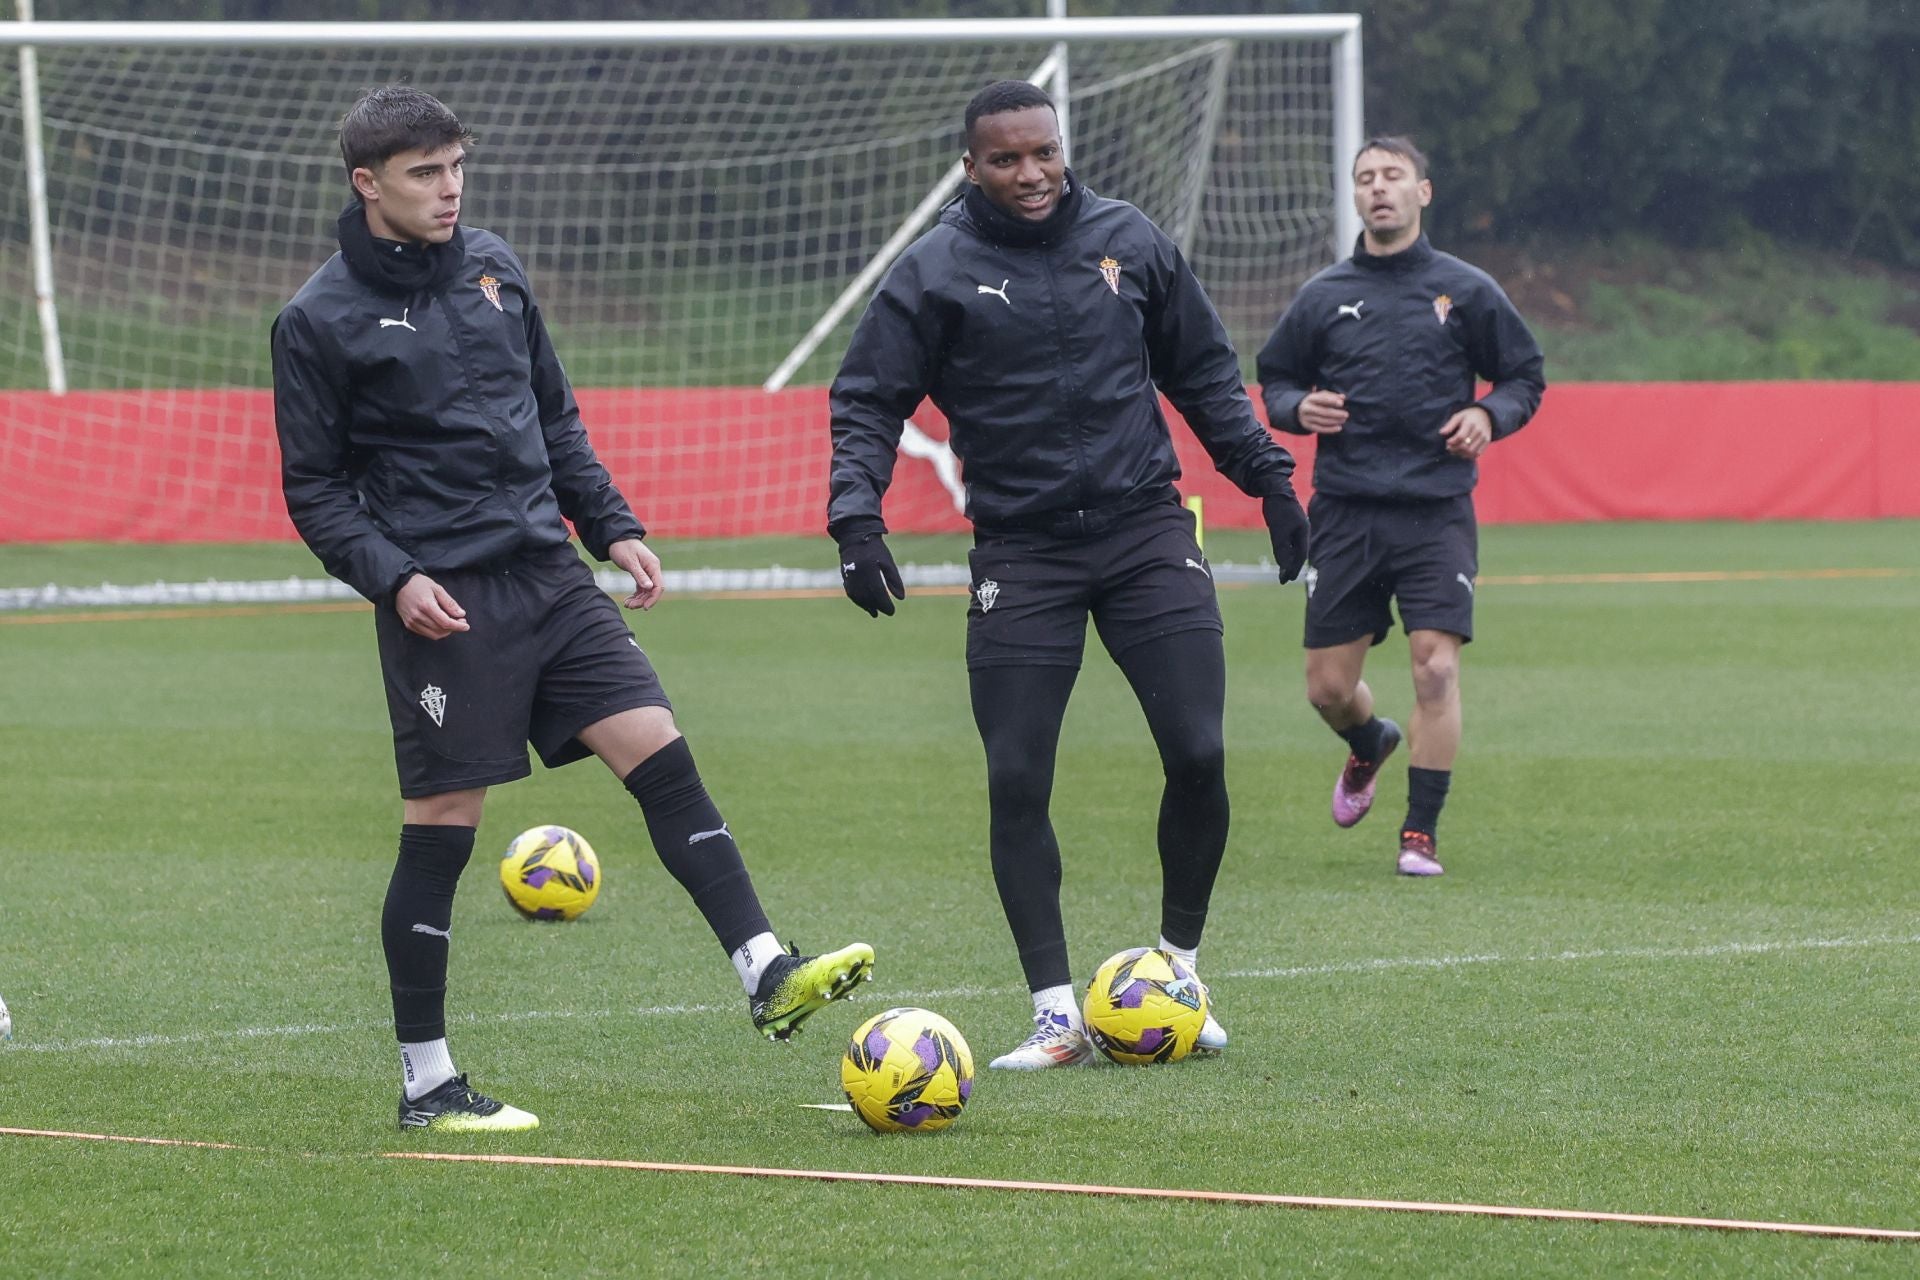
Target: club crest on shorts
point(1442, 308)
point(491, 287)
point(1110, 272)
point(986, 593)
point(433, 700)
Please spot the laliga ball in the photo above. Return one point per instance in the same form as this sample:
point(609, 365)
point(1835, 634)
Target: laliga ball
point(907, 1071)
point(1145, 1006)
point(550, 873)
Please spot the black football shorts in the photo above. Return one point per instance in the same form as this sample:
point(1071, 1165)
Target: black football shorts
point(547, 655)
point(1140, 578)
point(1422, 556)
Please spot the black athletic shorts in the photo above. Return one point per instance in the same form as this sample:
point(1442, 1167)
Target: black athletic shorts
point(1424, 556)
point(548, 654)
point(1140, 575)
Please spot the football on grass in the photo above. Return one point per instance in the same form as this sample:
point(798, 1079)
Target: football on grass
point(1145, 1006)
point(907, 1071)
point(550, 873)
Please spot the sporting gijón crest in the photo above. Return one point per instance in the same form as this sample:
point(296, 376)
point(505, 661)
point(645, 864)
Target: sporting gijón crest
point(491, 287)
point(433, 700)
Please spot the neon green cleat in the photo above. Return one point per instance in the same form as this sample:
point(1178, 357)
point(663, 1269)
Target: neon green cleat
point(457, 1108)
point(794, 987)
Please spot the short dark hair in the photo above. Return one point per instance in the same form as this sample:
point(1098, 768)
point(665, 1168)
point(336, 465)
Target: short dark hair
point(396, 118)
point(1396, 144)
point(1003, 96)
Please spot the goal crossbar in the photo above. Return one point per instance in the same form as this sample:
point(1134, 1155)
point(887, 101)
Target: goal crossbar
point(561, 34)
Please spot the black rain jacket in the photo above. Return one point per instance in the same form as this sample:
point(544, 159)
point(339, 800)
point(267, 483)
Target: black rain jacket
point(432, 429)
point(1403, 337)
point(1045, 360)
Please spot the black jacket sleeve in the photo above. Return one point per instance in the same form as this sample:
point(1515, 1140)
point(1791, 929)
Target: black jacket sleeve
point(1504, 353)
point(887, 371)
point(585, 490)
point(1194, 363)
point(310, 416)
point(1287, 368)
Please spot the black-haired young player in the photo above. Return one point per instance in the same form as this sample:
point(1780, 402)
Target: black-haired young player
point(431, 446)
point(1377, 356)
point(1044, 321)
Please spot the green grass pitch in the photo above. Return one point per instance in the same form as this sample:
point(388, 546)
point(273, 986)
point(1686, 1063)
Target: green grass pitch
point(1673, 967)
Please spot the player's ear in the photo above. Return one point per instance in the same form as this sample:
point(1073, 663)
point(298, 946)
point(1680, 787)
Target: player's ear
point(1426, 192)
point(966, 158)
point(365, 184)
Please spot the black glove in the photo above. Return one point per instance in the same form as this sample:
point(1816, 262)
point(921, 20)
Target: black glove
point(868, 573)
point(1287, 527)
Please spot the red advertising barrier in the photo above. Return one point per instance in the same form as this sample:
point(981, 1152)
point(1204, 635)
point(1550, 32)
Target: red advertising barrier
point(183, 466)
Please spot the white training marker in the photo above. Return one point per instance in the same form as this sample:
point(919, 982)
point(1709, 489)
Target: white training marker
point(827, 1106)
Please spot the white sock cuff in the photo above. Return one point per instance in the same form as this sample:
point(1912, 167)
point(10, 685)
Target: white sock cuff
point(1057, 1000)
point(424, 1067)
point(751, 956)
point(1190, 954)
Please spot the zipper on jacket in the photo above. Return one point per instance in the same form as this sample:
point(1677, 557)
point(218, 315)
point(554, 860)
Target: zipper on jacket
point(1077, 428)
point(456, 325)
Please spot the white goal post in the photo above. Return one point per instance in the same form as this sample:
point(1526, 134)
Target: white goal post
point(702, 207)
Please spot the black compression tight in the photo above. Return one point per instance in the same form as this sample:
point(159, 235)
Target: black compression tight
point(1180, 681)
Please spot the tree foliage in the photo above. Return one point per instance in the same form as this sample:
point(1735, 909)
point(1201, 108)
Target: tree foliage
point(1693, 118)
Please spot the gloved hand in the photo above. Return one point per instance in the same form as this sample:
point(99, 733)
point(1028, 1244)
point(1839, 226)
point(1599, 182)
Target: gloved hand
point(1287, 527)
point(868, 573)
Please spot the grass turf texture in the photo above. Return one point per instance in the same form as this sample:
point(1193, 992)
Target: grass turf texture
point(200, 824)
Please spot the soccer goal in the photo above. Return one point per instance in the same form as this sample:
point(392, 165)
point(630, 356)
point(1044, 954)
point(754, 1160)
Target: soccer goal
point(703, 208)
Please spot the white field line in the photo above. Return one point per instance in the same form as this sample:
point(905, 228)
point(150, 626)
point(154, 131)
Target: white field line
point(769, 582)
point(1379, 965)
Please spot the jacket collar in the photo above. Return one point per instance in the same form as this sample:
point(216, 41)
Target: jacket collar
point(1417, 254)
point(1001, 227)
point(391, 267)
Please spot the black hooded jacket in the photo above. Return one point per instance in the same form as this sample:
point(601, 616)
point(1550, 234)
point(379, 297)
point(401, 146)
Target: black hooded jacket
point(1403, 337)
point(1043, 345)
point(424, 420)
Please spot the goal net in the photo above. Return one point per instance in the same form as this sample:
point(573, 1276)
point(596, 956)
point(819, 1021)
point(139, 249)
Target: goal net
point(687, 212)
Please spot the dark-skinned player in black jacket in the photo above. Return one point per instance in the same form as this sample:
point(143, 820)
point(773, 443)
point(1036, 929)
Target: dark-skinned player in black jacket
point(1044, 321)
point(1378, 357)
point(430, 445)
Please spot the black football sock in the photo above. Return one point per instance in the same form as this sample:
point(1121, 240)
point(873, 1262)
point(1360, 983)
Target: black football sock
point(1181, 681)
point(1018, 711)
point(1426, 792)
point(1364, 740)
point(694, 844)
point(416, 926)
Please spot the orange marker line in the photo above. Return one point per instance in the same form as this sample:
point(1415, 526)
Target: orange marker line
point(1163, 1193)
point(114, 1137)
point(187, 611)
point(1069, 1188)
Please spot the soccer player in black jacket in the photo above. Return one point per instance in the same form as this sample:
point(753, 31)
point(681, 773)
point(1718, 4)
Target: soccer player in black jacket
point(1043, 321)
point(430, 447)
point(1377, 357)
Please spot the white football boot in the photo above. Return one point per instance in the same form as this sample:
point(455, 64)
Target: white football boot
point(1057, 1041)
point(1213, 1036)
